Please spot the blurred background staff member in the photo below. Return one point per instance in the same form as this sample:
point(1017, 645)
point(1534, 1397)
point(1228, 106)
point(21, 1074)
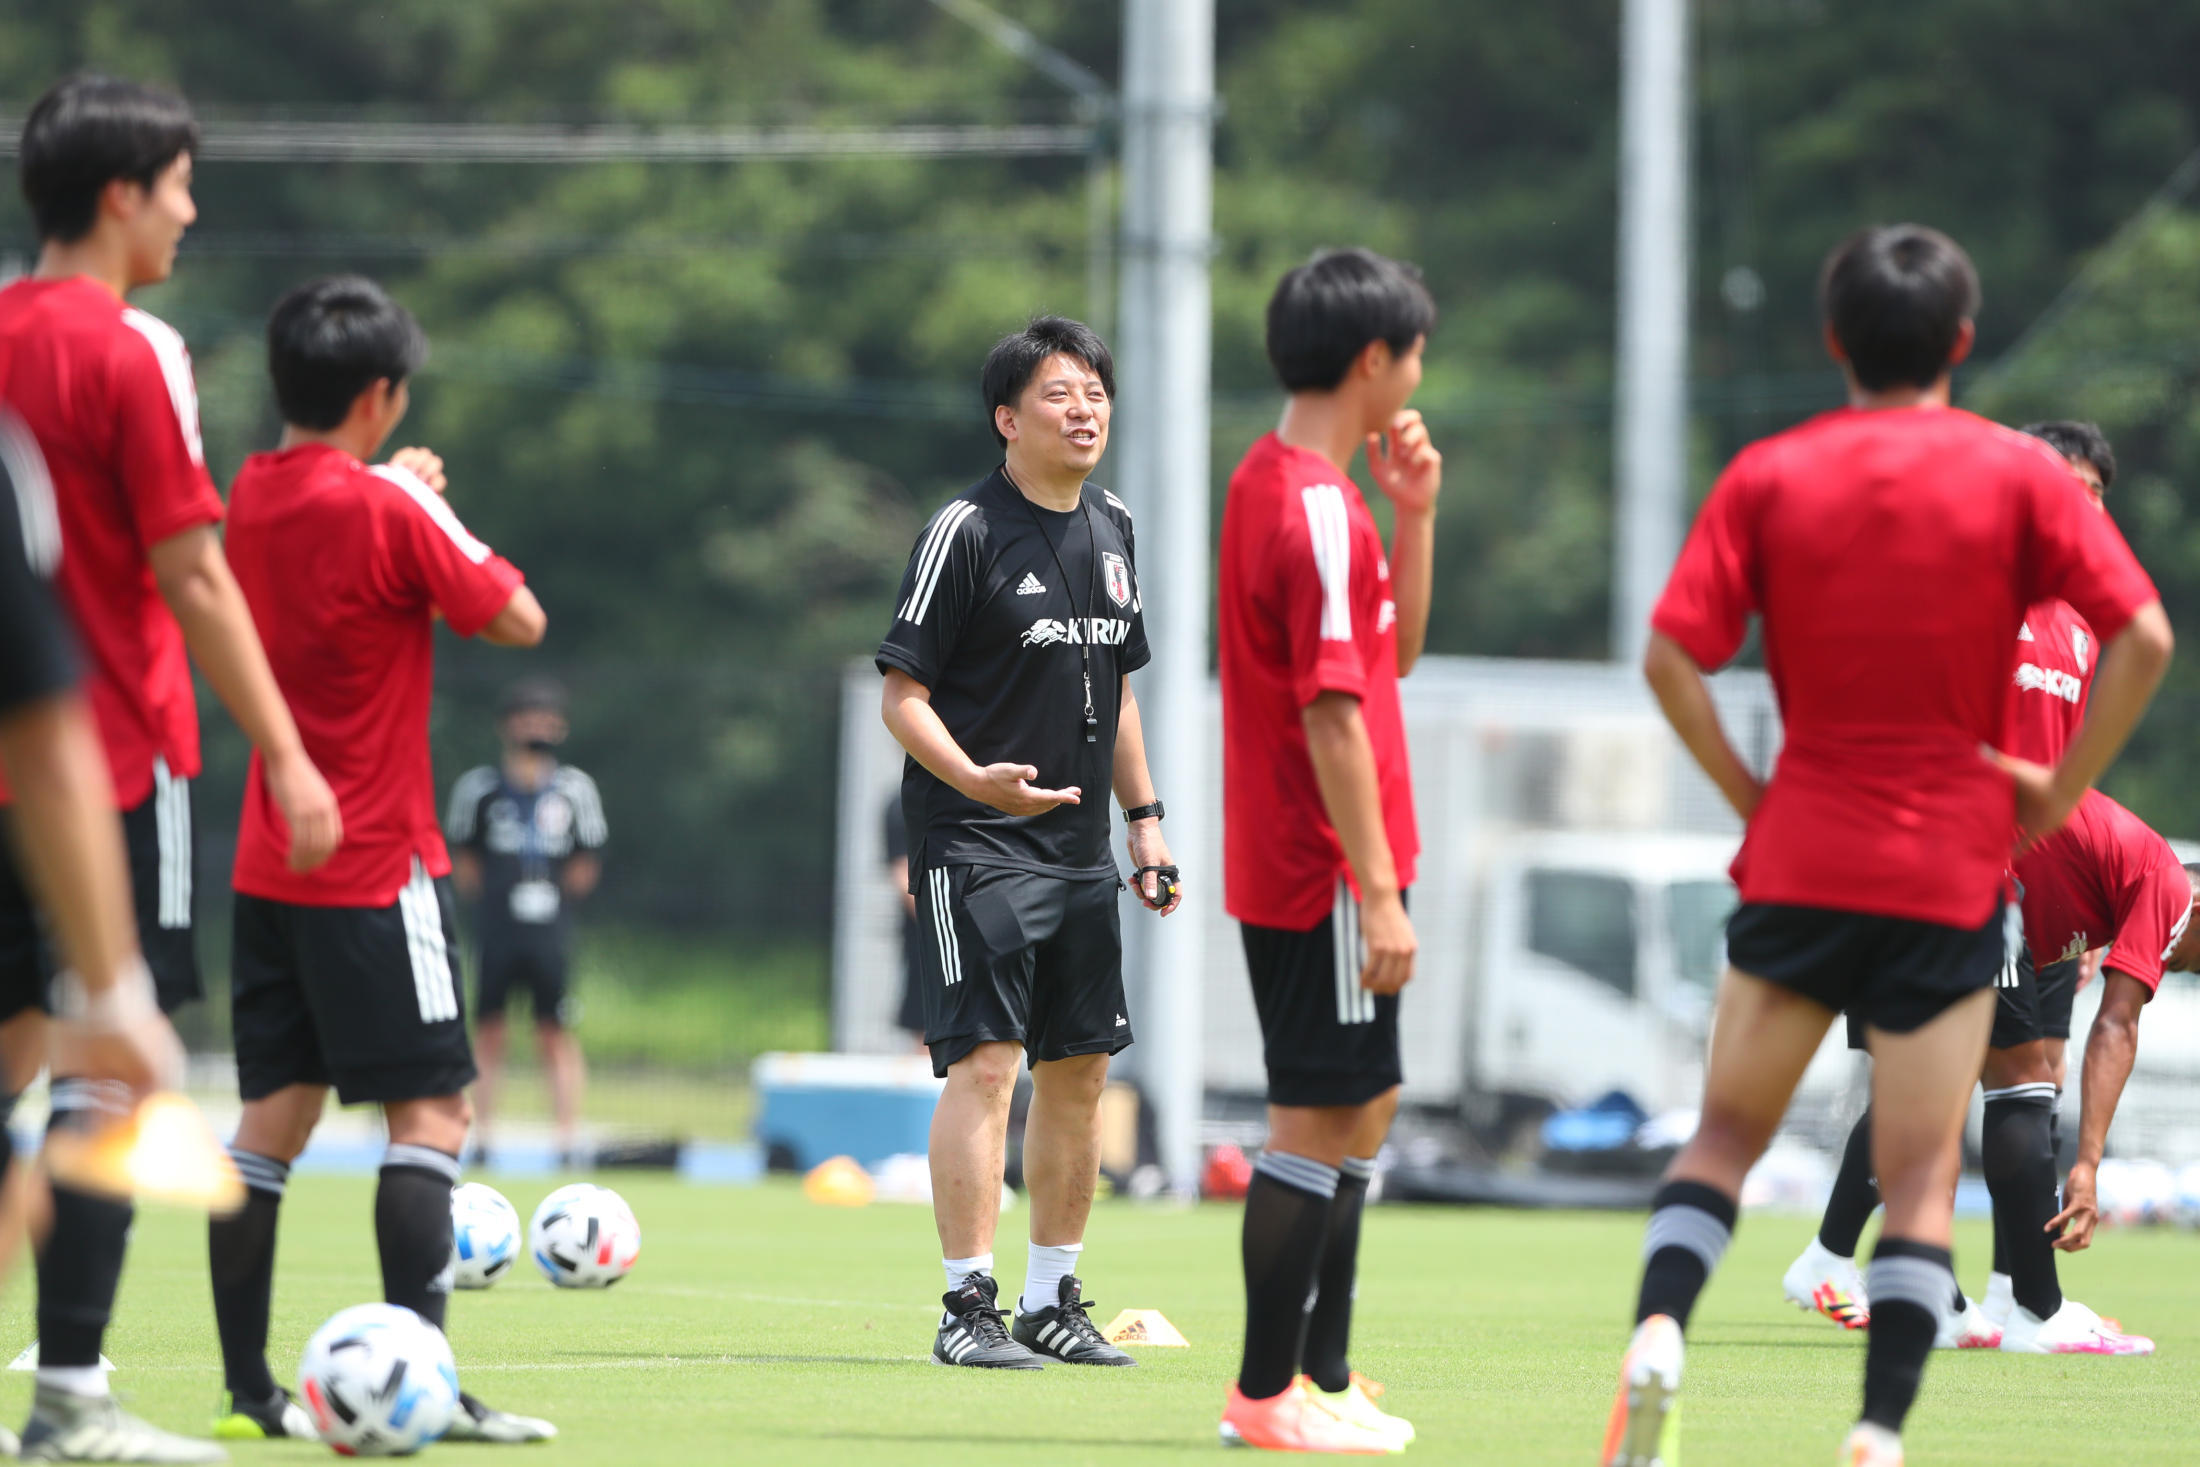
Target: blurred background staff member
point(526, 837)
point(107, 393)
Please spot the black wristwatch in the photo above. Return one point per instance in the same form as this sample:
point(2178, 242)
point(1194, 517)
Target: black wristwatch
point(1144, 812)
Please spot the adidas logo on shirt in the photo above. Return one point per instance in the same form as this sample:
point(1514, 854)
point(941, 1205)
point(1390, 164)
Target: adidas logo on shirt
point(1030, 586)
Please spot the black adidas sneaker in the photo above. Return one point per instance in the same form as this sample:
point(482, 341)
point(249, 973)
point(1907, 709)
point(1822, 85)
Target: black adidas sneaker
point(971, 1332)
point(1064, 1331)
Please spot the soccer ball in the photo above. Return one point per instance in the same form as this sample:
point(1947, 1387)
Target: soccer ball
point(484, 1236)
point(584, 1237)
point(379, 1381)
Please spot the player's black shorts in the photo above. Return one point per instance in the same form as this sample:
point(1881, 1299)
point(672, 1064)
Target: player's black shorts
point(362, 998)
point(536, 962)
point(2036, 1006)
point(1892, 973)
point(1327, 1040)
point(1023, 957)
point(157, 842)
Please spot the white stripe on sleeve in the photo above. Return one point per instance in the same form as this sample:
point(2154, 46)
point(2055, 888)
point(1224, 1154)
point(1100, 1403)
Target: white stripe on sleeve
point(175, 370)
point(1329, 530)
point(438, 510)
point(933, 559)
point(34, 504)
point(466, 796)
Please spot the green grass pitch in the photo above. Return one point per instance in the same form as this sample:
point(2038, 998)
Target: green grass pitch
point(759, 1328)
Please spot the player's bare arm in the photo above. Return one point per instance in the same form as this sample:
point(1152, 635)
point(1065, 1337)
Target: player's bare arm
point(907, 709)
point(195, 580)
point(521, 623)
point(1410, 472)
point(1133, 789)
point(1344, 768)
point(2131, 668)
point(1685, 697)
point(73, 854)
point(2109, 1052)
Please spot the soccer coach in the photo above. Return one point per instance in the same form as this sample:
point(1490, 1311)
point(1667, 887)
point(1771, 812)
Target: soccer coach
point(1008, 682)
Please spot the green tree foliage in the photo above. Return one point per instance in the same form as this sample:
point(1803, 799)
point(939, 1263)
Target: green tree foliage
point(707, 405)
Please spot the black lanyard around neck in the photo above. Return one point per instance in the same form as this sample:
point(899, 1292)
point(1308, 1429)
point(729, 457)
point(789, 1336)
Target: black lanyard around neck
point(1092, 590)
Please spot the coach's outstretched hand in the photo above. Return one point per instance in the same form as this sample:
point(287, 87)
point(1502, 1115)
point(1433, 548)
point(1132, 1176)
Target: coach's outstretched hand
point(1009, 789)
point(1391, 944)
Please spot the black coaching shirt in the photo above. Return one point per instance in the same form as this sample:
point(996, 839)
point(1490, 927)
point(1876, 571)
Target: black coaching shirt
point(36, 661)
point(525, 838)
point(1000, 602)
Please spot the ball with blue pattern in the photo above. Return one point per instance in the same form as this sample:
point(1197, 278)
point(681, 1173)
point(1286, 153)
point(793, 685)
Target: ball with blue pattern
point(379, 1381)
point(485, 1236)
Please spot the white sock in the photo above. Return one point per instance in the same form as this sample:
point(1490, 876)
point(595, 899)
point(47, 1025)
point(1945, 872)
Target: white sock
point(1044, 1272)
point(959, 1270)
point(77, 1380)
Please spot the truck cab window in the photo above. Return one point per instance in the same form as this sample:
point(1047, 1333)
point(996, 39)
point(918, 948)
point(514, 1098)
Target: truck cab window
point(1585, 921)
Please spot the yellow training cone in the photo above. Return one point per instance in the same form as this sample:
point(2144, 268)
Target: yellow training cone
point(164, 1152)
point(839, 1182)
point(1143, 1327)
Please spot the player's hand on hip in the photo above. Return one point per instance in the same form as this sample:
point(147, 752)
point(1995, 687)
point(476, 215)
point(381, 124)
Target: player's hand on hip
point(2072, 1228)
point(1148, 847)
point(1391, 945)
point(1009, 789)
point(423, 464)
point(309, 808)
point(1405, 465)
point(2042, 803)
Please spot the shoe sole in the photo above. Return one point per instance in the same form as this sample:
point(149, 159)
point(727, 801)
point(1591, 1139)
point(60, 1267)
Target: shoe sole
point(981, 1365)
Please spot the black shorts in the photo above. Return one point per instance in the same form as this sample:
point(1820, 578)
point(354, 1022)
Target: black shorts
point(1891, 973)
point(1327, 1040)
point(2036, 1006)
point(536, 962)
point(157, 842)
point(1022, 957)
point(363, 998)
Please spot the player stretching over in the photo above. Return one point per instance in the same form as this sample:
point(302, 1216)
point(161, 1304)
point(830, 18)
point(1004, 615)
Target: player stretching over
point(1007, 671)
point(1317, 624)
point(106, 392)
point(1891, 548)
point(2024, 1311)
point(348, 976)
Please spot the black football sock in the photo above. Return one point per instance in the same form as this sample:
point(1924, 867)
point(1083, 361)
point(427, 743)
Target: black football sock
point(412, 1228)
point(1329, 1324)
point(240, 1253)
point(1907, 1283)
point(1690, 1226)
point(81, 1264)
point(1286, 1221)
point(2018, 1150)
point(1855, 1193)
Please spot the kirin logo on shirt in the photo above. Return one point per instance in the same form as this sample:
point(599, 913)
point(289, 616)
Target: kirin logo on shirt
point(1077, 632)
point(1117, 577)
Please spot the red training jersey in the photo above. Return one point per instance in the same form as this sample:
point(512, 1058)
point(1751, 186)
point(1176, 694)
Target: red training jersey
point(1306, 609)
point(2105, 877)
point(1891, 555)
point(2047, 693)
point(107, 392)
point(344, 568)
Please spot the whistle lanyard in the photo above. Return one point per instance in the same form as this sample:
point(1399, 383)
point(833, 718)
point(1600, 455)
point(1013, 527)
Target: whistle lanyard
point(1092, 590)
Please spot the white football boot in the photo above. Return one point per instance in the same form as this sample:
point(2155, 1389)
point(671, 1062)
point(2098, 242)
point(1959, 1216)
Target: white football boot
point(1871, 1446)
point(1824, 1282)
point(2071, 1330)
point(1967, 1329)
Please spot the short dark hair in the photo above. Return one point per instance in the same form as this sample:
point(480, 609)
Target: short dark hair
point(330, 339)
point(1896, 296)
point(2082, 441)
point(532, 695)
point(1018, 355)
point(85, 133)
point(1328, 310)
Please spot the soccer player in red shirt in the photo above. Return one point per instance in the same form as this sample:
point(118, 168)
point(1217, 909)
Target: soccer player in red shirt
point(1891, 548)
point(2024, 1055)
point(2106, 878)
point(106, 391)
point(1316, 625)
point(347, 975)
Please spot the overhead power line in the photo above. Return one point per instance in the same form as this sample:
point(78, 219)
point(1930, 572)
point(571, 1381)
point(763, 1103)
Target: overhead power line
point(488, 142)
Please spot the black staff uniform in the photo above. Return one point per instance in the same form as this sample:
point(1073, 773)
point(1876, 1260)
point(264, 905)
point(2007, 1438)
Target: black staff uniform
point(1022, 623)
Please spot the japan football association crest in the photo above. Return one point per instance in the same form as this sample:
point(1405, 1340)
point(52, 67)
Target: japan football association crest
point(1117, 575)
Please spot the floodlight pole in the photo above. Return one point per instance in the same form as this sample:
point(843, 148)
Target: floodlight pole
point(1161, 466)
point(1650, 427)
